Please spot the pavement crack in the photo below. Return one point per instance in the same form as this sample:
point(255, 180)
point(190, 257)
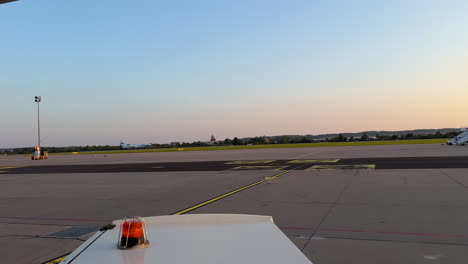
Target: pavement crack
point(330, 209)
point(455, 180)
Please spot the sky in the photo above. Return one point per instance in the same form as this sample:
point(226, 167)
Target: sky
point(161, 71)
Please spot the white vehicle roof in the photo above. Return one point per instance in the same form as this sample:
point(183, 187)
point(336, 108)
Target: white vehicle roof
point(197, 238)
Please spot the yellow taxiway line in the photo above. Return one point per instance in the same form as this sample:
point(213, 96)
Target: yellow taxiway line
point(230, 193)
point(55, 260)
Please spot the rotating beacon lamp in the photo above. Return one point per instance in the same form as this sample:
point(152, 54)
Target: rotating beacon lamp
point(132, 233)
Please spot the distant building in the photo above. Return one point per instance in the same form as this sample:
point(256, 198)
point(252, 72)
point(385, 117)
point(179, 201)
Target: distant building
point(212, 140)
point(6, 150)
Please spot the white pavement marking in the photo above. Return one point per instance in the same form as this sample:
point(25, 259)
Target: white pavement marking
point(432, 257)
point(343, 167)
point(250, 162)
point(301, 156)
point(314, 161)
point(259, 168)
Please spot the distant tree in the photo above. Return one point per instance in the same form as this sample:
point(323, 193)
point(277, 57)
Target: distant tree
point(341, 138)
point(196, 144)
point(237, 141)
point(284, 140)
point(257, 141)
point(384, 137)
point(227, 141)
point(305, 140)
point(364, 137)
point(451, 134)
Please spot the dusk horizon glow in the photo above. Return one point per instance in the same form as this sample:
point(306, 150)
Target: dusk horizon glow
point(158, 72)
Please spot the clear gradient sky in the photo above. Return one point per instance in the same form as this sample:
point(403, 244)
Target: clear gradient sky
point(160, 71)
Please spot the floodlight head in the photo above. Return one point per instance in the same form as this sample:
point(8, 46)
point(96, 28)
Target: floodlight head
point(37, 98)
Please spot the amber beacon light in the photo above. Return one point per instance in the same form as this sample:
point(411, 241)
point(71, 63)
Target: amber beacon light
point(132, 233)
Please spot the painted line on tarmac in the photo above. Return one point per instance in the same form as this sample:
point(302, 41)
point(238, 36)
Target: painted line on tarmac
point(240, 162)
point(314, 161)
point(374, 232)
point(217, 198)
point(2, 169)
point(56, 260)
point(279, 174)
point(259, 168)
point(392, 233)
point(298, 157)
point(343, 167)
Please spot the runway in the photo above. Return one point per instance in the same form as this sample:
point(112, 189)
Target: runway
point(409, 209)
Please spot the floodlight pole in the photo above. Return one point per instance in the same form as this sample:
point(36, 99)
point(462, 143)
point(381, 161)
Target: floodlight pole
point(38, 126)
point(38, 99)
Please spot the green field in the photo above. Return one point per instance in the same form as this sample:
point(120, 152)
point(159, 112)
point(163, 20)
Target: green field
point(297, 145)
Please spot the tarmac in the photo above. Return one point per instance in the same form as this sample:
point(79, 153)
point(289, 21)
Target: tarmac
point(410, 207)
point(377, 151)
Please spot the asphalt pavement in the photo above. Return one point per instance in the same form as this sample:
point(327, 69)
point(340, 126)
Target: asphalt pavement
point(298, 164)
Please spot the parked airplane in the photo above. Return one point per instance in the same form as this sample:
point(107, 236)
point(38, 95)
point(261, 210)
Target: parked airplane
point(133, 146)
point(460, 139)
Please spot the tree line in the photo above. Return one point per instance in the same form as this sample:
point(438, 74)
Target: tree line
point(247, 141)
